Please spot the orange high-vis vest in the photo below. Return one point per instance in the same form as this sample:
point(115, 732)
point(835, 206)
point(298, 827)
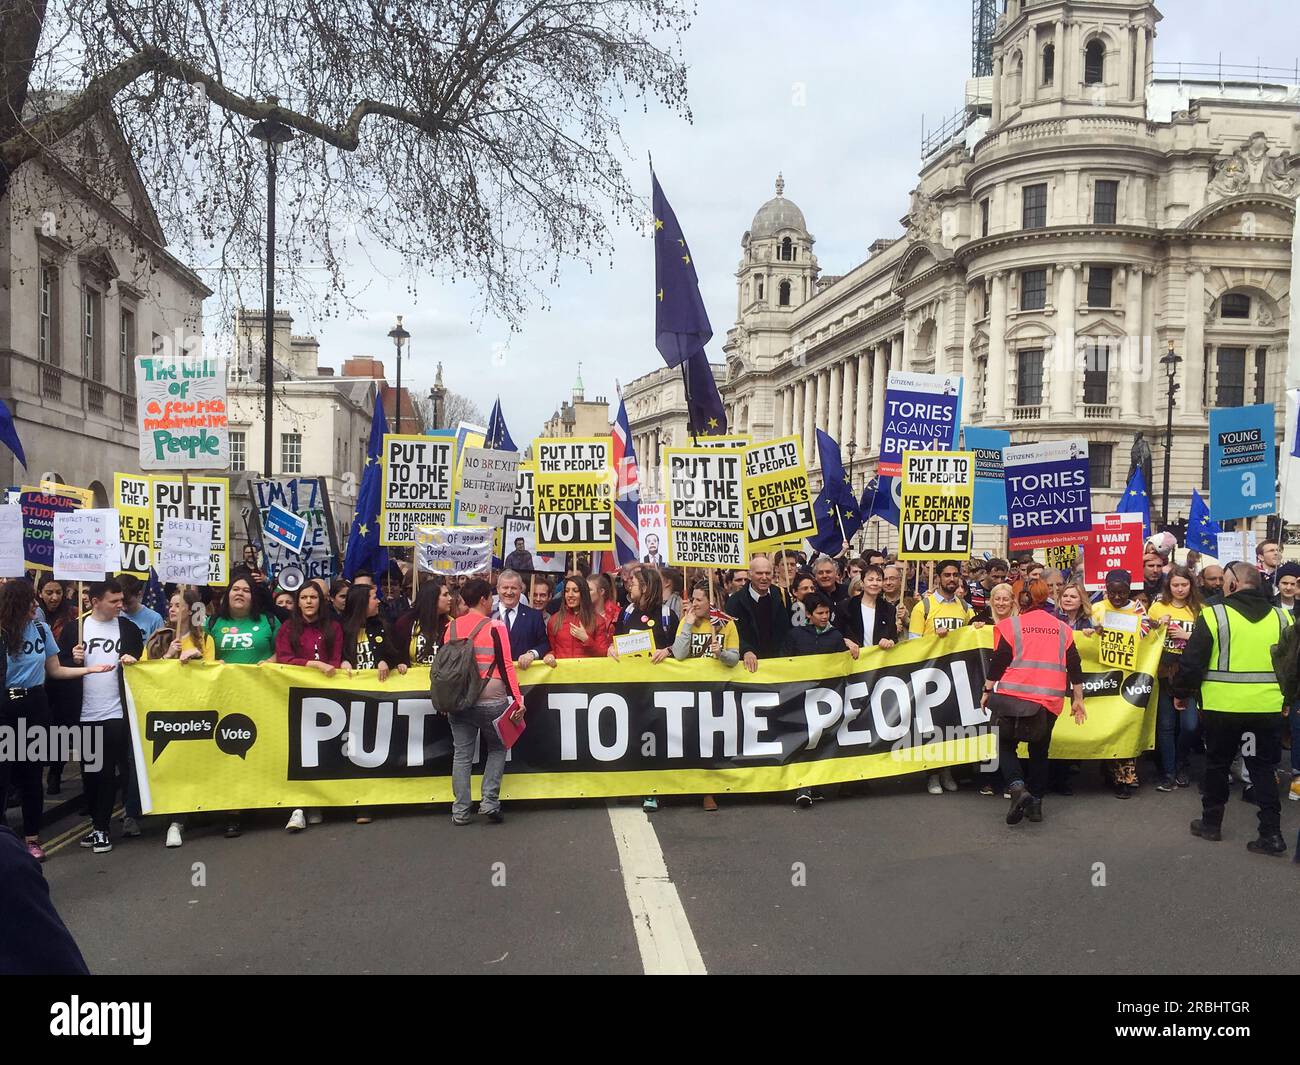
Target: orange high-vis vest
point(1037, 672)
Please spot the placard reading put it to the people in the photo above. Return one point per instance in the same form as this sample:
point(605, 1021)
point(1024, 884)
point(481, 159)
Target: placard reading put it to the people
point(706, 525)
point(938, 505)
point(417, 486)
point(778, 503)
point(573, 494)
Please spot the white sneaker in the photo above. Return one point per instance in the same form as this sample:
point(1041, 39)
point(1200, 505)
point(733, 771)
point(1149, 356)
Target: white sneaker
point(314, 817)
point(933, 784)
point(945, 779)
point(296, 822)
point(174, 834)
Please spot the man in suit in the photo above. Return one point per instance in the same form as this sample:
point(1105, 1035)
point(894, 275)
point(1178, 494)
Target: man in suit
point(519, 558)
point(761, 619)
point(526, 626)
point(652, 555)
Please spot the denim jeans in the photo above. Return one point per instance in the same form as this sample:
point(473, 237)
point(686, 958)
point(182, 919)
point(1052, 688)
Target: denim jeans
point(1175, 730)
point(466, 727)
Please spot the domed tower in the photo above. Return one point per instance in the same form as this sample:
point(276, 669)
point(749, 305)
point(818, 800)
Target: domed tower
point(778, 271)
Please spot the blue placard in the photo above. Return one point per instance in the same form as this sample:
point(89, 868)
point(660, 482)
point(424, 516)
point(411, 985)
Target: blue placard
point(1243, 463)
point(1049, 497)
point(284, 527)
point(990, 487)
point(922, 412)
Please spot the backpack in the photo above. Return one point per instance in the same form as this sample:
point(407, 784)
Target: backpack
point(454, 681)
point(1286, 659)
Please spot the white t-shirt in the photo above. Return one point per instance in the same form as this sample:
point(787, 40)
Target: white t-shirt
point(100, 698)
point(868, 623)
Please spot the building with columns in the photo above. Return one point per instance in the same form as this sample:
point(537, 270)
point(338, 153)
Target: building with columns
point(1083, 214)
point(656, 411)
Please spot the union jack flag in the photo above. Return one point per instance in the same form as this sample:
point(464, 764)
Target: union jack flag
point(626, 497)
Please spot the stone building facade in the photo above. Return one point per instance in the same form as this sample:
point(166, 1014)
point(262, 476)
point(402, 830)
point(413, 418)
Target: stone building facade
point(86, 285)
point(578, 416)
point(1084, 218)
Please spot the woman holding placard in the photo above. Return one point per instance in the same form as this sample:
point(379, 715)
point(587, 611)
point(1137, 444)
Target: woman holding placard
point(31, 655)
point(1177, 606)
point(184, 636)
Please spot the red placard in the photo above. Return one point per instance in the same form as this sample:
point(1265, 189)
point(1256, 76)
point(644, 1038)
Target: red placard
point(1116, 543)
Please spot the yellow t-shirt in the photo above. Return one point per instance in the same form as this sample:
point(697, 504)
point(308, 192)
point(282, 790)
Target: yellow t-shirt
point(187, 644)
point(932, 615)
point(702, 633)
point(1181, 620)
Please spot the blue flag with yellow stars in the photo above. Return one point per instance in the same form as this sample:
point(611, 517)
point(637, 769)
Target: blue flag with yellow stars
point(836, 509)
point(1202, 532)
point(708, 417)
point(879, 501)
point(681, 323)
point(498, 436)
point(1135, 500)
point(364, 550)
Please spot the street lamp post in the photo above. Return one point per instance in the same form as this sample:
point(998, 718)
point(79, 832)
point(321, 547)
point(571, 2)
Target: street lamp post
point(1170, 362)
point(274, 134)
point(399, 337)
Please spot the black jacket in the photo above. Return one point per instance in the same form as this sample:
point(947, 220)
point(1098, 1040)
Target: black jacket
point(848, 616)
point(806, 640)
point(1253, 604)
point(741, 605)
point(132, 644)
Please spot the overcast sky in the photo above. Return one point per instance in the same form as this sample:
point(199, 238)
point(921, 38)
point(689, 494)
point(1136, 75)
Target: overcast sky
point(832, 99)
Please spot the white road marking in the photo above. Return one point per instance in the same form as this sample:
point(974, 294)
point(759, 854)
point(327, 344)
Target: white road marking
point(663, 934)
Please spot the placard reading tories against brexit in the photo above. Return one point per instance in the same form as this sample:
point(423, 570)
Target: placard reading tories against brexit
point(938, 504)
point(922, 411)
point(706, 524)
point(1116, 544)
point(1243, 464)
point(990, 483)
point(1048, 496)
point(778, 504)
point(209, 501)
point(417, 488)
point(181, 404)
point(573, 494)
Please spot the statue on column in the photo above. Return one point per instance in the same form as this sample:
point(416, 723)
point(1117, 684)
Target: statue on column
point(1140, 458)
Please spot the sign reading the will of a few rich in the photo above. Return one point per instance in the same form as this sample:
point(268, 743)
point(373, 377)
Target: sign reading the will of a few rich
point(181, 409)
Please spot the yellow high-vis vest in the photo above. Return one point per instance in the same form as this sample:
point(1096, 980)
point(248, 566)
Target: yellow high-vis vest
point(1240, 678)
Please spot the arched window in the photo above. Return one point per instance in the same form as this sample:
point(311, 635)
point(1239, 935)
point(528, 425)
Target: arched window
point(1094, 63)
point(783, 294)
point(1049, 63)
point(759, 294)
point(785, 254)
point(1013, 82)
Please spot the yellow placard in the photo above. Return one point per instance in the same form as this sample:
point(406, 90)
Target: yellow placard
point(418, 486)
point(209, 499)
point(705, 508)
point(132, 499)
point(573, 493)
point(938, 505)
point(778, 502)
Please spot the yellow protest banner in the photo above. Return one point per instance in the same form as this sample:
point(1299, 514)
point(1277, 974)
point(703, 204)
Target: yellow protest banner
point(132, 495)
point(938, 505)
point(573, 493)
point(218, 736)
point(778, 503)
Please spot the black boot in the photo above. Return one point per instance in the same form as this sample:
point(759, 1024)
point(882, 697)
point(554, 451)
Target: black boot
point(1035, 811)
point(1206, 830)
point(1020, 799)
point(1271, 844)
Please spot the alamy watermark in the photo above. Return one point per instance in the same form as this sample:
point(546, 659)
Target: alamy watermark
point(53, 743)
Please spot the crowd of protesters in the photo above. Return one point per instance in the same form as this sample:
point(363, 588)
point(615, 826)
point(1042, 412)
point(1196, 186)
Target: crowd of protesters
point(64, 661)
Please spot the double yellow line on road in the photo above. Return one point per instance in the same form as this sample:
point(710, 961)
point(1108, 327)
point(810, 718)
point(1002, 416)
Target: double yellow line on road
point(64, 838)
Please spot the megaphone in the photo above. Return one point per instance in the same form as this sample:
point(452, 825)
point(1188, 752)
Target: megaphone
point(291, 578)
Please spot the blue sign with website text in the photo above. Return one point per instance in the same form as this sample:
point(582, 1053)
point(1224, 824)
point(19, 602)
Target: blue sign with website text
point(990, 487)
point(1243, 462)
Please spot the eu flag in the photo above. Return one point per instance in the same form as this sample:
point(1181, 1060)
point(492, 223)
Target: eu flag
point(498, 436)
point(878, 500)
point(707, 415)
point(1202, 532)
point(9, 434)
point(838, 516)
point(364, 550)
point(1135, 500)
point(681, 323)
